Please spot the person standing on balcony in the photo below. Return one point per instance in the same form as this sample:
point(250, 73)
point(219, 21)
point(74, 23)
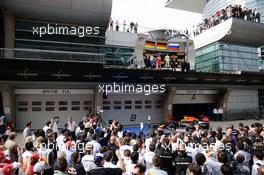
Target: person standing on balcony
point(158, 62)
point(136, 28)
point(124, 26)
point(117, 25)
point(167, 61)
point(132, 26)
point(111, 24)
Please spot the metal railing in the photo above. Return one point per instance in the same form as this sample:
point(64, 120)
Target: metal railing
point(52, 55)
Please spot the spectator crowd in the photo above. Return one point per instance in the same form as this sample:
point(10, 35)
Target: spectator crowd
point(131, 27)
point(90, 149)
point(231, 11)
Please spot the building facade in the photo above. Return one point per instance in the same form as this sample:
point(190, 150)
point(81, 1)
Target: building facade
point(229, 47)
point(61, 75)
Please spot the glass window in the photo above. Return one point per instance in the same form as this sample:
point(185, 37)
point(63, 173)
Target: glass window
point(22, 103)
point(157, 101)
point(75, 102)
point(148, 102)
point(157, 106)
point(63, 103)
point(21, 109)
point(117, 107)
point(36, 109)
point(208, 49)
point(75, 108)
point(88, 103)
point(88, 108)
point(148, 106)
point(50, 103)
point(128, 102)
point(106, 102)
point(138, 102)
point(128, 107)
point(117, 102)
point(138, 107)
point(62, 108)
point(36, 103)
point(106, 108)
point(50, 108)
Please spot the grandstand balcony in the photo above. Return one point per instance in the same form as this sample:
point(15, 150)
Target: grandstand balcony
point(234, 31)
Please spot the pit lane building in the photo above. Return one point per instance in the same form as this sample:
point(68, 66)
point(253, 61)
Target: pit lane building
point(59, 75)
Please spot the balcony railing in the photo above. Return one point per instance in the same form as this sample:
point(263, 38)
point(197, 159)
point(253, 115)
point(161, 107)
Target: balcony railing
point(52, 55)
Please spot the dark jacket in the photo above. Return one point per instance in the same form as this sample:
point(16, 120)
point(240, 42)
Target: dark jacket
point(181, 163)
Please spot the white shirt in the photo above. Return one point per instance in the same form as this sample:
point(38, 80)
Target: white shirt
point(255, 167)
point(123, 148)
point(96, 146)
point(26, 154)
point(215, 165)
point(60, 143)
point(109, 165)
point(55, 127)
point(88, 162)
point(120, 134)
point(45, 128)
point(167, 58)
point(78, 130)
point(129, 166)
point(147, 143)
point(245, 154)
point(148, 159)
point(155, 171)
point(71, 126)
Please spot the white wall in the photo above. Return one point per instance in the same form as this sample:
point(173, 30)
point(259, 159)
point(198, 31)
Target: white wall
point(123, 115)
point(120, 38)
point(39, 118)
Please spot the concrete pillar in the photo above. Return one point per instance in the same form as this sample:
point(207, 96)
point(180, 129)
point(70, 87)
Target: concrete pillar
point(223, 98)
point(9, 32)
point(9, 101)
point(168, 101)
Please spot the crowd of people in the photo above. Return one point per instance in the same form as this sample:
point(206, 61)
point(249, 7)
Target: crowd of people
point(231, 11)
point(165, 61)
point(90, 149)
point(126, 27)
point(133, 27)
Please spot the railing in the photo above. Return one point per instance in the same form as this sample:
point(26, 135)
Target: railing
point(52, 55)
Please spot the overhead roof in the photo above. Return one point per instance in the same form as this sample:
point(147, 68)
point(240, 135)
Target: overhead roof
point(196, 6)
point(85, 12)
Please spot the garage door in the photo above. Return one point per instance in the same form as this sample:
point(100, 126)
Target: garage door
point(38, 108)
point(123, 107)
point(195, 96)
